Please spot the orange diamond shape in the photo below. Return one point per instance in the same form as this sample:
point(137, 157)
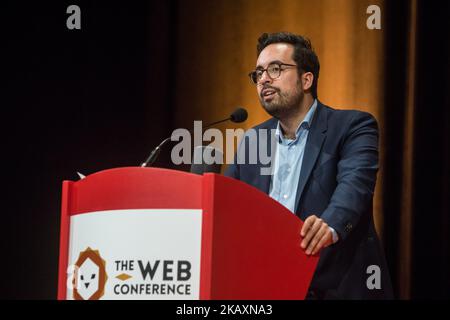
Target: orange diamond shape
point(123, 276)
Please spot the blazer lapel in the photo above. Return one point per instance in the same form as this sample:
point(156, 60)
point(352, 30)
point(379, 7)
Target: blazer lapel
point(316, 137)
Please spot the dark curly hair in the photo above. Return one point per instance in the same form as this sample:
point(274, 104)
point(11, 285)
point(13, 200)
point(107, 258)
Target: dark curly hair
point(304, 55)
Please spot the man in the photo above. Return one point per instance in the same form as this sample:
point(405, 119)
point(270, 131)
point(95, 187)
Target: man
point(325, 167)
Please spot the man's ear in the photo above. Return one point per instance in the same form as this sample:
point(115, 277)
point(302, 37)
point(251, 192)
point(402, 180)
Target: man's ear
point(307, 80)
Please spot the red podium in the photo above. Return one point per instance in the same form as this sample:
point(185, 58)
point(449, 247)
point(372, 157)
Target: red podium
point(147, 233)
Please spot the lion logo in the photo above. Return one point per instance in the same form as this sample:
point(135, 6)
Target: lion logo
point(90, 276)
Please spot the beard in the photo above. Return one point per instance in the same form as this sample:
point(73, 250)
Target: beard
point(283, 104)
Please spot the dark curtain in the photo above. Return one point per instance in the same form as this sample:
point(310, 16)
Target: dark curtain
point(416, 186)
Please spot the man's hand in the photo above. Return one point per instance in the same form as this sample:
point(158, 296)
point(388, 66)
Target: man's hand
point(316, 235)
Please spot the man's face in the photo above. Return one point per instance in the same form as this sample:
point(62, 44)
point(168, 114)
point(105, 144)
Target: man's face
point(280, 97)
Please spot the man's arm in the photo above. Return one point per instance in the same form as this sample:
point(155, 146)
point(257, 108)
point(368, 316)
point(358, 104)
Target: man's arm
point(356, 177)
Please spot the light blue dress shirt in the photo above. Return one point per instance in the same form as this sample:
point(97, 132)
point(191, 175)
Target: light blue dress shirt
point(288, 163)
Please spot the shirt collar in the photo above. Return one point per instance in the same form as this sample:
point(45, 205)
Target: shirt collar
point(306, 123)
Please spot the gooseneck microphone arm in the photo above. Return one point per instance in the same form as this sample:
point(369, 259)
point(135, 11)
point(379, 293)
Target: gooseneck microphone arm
point(154, 154)
point(239, 115)
point(217, 122)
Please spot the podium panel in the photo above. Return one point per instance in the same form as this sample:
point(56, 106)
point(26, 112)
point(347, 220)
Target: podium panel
point(159, 259)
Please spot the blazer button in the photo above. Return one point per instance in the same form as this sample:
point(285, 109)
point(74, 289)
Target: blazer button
point(348, 227)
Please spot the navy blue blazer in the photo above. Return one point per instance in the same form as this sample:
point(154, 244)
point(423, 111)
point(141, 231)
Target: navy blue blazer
point(336, 183)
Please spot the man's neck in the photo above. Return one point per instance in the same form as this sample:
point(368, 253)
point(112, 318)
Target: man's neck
point(290, 124)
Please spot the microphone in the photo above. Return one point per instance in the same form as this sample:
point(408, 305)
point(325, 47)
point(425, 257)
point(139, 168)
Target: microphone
point(239, 115)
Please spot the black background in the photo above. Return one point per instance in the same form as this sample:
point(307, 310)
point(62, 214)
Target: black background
point(76, 100)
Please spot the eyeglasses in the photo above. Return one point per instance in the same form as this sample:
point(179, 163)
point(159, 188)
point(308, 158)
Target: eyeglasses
point(273, 71)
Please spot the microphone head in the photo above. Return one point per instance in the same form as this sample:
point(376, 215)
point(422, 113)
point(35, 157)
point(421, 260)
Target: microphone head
point(239, 115)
